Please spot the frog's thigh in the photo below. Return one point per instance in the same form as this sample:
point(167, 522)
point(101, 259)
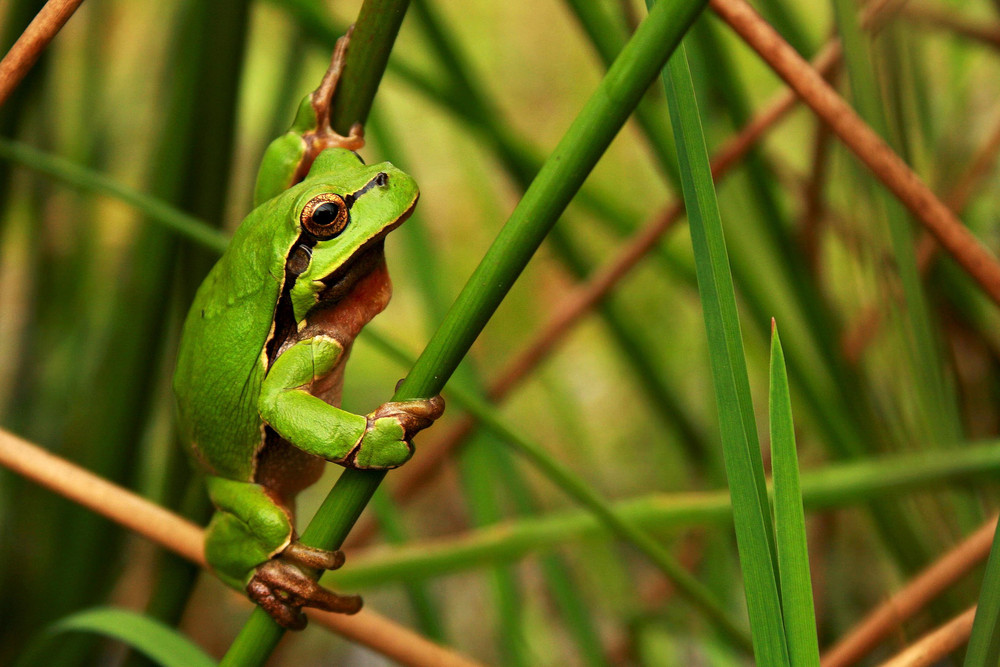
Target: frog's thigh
point(247, 529)
point(305, 421)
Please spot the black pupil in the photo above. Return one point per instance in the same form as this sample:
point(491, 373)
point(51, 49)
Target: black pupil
point(326, 213)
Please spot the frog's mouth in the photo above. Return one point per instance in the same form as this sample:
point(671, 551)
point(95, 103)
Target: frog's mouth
point(366, 259)
point(341, 282)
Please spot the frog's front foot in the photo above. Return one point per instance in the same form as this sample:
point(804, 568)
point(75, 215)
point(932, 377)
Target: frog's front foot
point(282, 588)
point(414, 416)
point(386, 442)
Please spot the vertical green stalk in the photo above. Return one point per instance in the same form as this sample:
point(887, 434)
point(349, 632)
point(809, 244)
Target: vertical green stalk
point(124, 359)
point(14, 112)
point(204, 110)
point(17, 581)
point(374, 34)
point(937, 413)
point(938, 403)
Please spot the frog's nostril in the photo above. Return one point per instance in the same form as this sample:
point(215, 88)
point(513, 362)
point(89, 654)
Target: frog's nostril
point(381, 178)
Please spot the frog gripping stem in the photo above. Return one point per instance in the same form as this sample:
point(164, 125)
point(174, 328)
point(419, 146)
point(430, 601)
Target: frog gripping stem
point(282, 589)
point(387, 439)
point(414, 416)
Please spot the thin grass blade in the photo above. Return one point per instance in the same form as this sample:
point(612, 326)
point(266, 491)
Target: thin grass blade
point(984, 642)
point(789, 519)
point(157, 641)
point(88, 180)
point(744, 467)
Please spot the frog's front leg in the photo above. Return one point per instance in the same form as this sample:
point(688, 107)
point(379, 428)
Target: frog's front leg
point(250, 544)
point(378, 440)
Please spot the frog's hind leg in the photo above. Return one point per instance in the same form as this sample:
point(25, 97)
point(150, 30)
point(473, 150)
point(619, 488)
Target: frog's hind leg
point(248, 529)
point(250, 543)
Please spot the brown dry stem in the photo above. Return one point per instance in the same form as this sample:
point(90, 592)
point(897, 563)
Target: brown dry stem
point(933, 646)
point(864, 142)
point(891, 614)
point(186, 539)
point(32, 42)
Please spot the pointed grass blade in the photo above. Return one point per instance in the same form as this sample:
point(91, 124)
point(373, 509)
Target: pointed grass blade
point(789, 519)
point(162, 644)
point(744, 467)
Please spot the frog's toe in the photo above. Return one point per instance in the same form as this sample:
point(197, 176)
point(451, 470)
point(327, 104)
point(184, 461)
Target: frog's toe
point(320, 559)
point(282, 589)
point(285, 613)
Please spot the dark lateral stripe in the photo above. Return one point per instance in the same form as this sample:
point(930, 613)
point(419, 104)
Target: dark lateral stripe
point(353, 197)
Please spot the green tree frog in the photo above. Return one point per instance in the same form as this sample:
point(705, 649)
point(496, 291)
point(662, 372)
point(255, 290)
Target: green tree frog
point(261, 359)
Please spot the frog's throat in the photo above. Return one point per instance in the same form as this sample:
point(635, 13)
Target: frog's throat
point(343, 318)
point(341, 282)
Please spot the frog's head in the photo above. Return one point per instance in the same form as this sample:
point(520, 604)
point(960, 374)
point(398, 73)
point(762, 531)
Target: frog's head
point(344, 210)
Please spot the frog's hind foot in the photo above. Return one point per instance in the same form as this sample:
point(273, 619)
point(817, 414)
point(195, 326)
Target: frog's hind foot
point(322, 103)
point(280, 607)
point(282, 590)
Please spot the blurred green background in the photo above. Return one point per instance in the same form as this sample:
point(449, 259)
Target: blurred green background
point(178, 100)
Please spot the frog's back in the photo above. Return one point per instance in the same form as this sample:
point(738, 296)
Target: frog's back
point(221, 359)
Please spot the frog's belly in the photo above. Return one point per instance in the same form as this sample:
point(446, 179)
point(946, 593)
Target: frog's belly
point(285, 469)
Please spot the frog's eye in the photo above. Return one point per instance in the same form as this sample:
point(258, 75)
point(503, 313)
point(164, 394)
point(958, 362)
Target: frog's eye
point(325, 216)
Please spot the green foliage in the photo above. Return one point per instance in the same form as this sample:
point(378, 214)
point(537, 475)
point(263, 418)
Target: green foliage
point(744, 469)
point(605, 476)
point(984, 643)
point(160, 643)
point(789, 520)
